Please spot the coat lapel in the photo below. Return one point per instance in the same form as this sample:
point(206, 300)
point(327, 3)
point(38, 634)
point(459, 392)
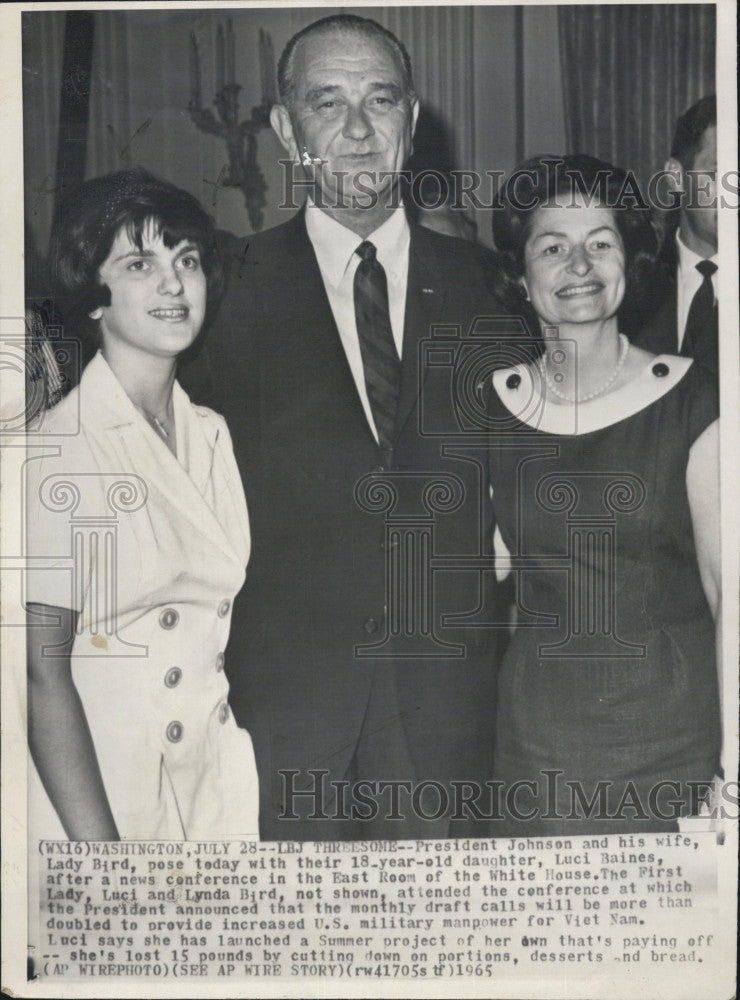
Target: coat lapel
point(666, 323)
point(426, 293)
point(308, 299)
point(114, 421)
point(659, 335)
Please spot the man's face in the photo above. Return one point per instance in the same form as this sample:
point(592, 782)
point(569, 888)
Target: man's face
point(351, 111)
point(699, 211)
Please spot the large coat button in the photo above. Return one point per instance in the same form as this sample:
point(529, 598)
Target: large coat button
point(173, 677)
point(169, 618)
point(220, 660)
point(224, 608)
point(223, 713)
point(174, 732)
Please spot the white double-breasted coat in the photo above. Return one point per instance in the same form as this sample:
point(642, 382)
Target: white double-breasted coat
point(150, 549)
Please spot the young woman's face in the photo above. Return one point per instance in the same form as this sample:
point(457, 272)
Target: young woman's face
point(158, 294)
point(574, 263)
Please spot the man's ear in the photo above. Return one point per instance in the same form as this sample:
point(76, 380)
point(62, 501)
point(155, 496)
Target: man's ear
point(674, 175)
point(283, 129)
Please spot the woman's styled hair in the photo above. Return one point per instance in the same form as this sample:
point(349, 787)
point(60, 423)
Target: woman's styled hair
point(90, 218)
point(553, 181)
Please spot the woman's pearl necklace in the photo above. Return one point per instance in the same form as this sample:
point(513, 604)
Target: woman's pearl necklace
point(597, 392)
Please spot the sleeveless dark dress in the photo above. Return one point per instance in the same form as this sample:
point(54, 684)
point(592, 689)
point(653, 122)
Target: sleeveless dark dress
point(610, 676)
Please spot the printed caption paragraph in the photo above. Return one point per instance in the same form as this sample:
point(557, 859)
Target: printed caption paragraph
point(402, 910)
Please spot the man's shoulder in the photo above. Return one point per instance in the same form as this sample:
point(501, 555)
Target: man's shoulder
point(468, 267)
point(450, 248)
point(240, 252)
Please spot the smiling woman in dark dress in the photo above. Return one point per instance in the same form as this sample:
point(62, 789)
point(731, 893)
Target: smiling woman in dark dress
point(604, 473)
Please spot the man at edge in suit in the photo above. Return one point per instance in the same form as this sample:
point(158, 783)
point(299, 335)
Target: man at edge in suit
point(314, 361)
point(686, 323)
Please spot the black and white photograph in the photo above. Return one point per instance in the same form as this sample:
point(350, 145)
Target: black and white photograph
point(369, 491)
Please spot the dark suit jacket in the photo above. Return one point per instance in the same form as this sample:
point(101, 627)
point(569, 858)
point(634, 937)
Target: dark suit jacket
point(316, 583)
point(659, 333)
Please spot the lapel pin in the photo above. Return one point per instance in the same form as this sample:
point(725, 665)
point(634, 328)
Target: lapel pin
point(428, 291)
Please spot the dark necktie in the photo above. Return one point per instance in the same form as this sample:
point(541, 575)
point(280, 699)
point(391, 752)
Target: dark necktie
point(379, 356)
point(700, 320)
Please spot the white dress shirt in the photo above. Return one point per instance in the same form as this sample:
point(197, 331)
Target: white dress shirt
point(688, 280)
point(335, 247)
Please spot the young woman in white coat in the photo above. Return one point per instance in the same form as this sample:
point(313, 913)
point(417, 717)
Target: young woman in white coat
point(138, 537)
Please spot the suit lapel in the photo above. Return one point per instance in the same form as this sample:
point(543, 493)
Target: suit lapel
point(426, 293)
point(667, 324)
point(659, 335)
point(427, 290)
point(308, 299)
point(706, 340)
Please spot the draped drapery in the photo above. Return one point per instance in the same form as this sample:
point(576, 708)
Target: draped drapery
point(139, 91)
point(628, 72)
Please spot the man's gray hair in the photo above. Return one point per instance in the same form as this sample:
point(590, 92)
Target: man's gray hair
point(340, 23)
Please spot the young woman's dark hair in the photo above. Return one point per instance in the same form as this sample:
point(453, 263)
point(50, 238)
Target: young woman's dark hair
point(88, 221)
point(553, 181)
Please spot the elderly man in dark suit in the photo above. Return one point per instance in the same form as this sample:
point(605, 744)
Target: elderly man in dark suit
point(686, 322)
point(365, 642)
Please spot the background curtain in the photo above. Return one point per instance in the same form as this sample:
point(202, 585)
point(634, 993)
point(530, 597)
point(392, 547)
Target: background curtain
point(628, 73)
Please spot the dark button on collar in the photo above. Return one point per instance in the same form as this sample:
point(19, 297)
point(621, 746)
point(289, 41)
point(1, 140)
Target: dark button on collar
point(223, 608)
point(169, 618)
point(660, 370)
point(173, 677)
point(513, 381)
point(174, 732)
point(220, 660)
point(223, 713)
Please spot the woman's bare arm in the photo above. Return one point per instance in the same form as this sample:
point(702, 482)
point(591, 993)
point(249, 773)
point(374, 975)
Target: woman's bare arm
point(702, 483)
point(58, 733)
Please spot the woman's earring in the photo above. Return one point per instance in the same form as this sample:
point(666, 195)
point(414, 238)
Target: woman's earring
point(97, 313)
